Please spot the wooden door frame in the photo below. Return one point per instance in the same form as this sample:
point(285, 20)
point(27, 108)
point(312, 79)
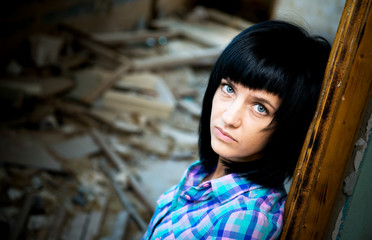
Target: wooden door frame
point(330, 141)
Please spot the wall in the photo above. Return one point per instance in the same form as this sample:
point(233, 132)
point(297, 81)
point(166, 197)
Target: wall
point(251, 10)
point(356, 216)
point(318, 16)
point(352, 210)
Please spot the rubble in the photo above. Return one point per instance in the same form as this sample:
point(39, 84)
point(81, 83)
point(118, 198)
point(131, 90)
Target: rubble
point(45, 49)
point(75, 148)
point(161, 106)
point(102, 124)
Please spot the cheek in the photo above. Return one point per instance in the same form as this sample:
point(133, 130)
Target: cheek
point(255, 138)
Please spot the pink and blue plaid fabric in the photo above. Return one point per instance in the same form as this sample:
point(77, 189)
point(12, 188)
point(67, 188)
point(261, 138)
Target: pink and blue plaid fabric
point(230, 207)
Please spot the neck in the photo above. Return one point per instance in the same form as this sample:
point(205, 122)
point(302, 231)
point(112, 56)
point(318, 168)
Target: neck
point(218, 172)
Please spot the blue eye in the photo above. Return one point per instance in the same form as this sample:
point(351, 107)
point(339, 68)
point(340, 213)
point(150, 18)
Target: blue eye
point(260, 109)
point(227, 88)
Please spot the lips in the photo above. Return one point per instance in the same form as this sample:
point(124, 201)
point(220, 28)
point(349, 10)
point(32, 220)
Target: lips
point(224, 136)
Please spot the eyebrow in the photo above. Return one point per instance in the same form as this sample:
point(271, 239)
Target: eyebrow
point(263, 100)
point(228, 80)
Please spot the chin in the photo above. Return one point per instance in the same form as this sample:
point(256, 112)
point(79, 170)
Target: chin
point(228, 155)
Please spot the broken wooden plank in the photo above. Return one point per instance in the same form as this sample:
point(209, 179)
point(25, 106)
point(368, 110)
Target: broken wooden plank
point(138, 81)
point(186, 84)
point(152, 143)
point(106, 84)
point(57, 224)
point(95, 220)
point(120, 226)
point(127, 127)
point(182, 58)
point(138, 190)
point(78, 112)
point(160, 106)
point(26, 152)
point(26, 86)
point(45, 49)
point(86, 40)
point(182, 138)
point(191, 106)
point(206, 32)
point(69, 107)
point(119, 38)
point(76, 147)
point(38, 223)
point(22, 217)
point(91, 83)
point(115, 120)
point(70, 62)
point(127, 102)
point(39, 87)
point(123, 198)
point(112, 156)
point(226, 19)
point(122, 150)
point(77, 226)
point(120, 166)
point(105, 52)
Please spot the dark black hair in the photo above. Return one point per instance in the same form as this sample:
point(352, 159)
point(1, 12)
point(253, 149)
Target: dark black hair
point(283, 59)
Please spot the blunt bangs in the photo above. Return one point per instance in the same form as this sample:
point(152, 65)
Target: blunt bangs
point(263, 57)
point(252, 72)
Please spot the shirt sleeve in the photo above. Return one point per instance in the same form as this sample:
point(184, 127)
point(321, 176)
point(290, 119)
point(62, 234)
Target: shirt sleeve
point(249, 224)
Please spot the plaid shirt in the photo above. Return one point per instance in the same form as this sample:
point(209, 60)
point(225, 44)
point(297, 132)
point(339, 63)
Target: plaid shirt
point(229, 207)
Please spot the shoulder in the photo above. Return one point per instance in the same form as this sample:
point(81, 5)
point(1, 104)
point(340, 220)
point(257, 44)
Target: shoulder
point(236, 192)
point(268, 200)
point(247, 224)
point(257, 214)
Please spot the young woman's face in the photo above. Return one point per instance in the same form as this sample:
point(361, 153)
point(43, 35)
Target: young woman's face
point(238, 121)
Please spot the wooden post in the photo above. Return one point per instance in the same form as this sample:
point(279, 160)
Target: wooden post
point(331, 137)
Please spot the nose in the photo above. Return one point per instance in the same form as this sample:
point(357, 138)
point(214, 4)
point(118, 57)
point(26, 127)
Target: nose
point(233, 115)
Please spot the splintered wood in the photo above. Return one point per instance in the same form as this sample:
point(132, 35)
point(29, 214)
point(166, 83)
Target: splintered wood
point(161, 105)
point(207, 33)
point(39, 87)
point(24, 151)
point(45, 49)
point(144, 81)
point(91, 83)
point(120, 38)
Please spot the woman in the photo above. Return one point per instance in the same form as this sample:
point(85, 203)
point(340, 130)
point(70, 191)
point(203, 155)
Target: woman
point(259, 102)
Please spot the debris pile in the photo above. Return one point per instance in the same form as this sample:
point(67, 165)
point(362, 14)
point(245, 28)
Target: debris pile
point(96, 125)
